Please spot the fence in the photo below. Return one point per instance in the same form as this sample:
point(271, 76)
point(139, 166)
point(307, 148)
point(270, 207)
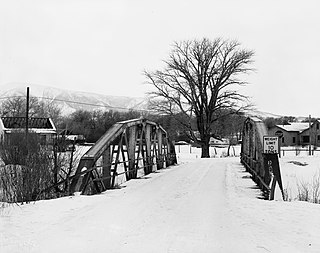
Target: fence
point(299, 151)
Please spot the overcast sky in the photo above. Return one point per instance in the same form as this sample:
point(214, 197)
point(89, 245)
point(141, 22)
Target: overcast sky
point(104, 45)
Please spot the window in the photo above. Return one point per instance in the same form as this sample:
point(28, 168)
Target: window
point(42, 139)
point(318, 126)
point(305, 139)
point(294, 139)
point(318, 137)
point(282, 139)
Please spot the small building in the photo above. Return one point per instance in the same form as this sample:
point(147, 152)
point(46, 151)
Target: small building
point(70, 137)
point(219, 142)
point(297, 133)
point(44, 127)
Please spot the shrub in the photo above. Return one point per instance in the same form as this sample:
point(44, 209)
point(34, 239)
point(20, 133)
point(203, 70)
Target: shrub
point(309, 191)
point(27, 168)
point(303, 191)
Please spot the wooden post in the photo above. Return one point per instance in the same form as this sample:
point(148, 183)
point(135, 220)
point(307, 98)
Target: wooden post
point(154, 151)
point(132, 150)
point(124, 151)
point(166, 149)
point(106, 168)
point(115, 173)
point(279, 145)
point(148, 149)
point(160, 152)
point(273, 188)
point(271, 163)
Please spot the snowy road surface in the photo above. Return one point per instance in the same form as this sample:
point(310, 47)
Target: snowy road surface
point(203, 205)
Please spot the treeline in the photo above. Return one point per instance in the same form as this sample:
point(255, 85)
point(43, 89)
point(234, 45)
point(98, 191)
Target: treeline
point(285, 120)
point(31, 171)
point(93, 124)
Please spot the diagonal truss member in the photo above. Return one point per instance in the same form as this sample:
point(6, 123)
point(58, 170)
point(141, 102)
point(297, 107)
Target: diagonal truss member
point(126, 148)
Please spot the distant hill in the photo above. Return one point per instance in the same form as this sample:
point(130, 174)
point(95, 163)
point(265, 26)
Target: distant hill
point(262, 115)
point(70, 100)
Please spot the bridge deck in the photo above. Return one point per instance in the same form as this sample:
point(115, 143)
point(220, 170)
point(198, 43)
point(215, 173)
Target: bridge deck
point(207, 205)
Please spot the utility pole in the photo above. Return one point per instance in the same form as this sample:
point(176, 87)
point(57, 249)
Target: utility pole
point(27, 115)
point(310, 135)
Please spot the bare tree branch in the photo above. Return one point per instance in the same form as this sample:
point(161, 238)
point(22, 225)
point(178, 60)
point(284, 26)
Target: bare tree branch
point(199, 81)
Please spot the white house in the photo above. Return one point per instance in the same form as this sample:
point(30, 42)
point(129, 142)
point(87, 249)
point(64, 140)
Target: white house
point(42, 126)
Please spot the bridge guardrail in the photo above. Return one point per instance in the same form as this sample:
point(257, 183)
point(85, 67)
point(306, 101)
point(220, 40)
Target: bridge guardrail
point(264, 168)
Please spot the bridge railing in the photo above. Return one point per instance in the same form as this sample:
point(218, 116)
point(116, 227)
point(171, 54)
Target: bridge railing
point(127, 150)
point(252, 153)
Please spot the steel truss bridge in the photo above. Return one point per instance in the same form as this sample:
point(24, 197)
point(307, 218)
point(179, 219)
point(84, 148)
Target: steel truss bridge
point(127, 149)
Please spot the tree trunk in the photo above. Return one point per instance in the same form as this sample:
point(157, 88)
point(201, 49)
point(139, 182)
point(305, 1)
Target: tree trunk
point(205, 151)
point(205, 148)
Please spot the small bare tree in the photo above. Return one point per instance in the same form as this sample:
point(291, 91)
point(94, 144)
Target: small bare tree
point(199, 81)
point(16, 107)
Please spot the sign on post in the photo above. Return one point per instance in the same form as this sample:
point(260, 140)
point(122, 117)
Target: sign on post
point(270, 145)
point(271, 163)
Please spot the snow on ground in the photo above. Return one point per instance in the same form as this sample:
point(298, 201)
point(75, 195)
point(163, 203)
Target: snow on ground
point(200, 205)
point(298, 171)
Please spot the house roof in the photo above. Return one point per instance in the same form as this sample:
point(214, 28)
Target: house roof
point(35, 124)
point(294, 127)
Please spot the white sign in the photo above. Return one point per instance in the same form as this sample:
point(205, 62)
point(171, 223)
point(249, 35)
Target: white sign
point(270, 145)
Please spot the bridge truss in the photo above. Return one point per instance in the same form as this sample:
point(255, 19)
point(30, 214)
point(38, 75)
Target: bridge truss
point(128, 149)
point(252, 155)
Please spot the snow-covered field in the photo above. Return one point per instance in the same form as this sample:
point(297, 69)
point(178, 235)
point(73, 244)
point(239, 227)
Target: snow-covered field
point(298, 172)
point(200, 205)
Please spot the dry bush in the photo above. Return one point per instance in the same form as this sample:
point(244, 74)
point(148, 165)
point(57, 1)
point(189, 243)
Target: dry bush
point(303, 191)
point(26, 170)
point(33, 171)
point(287, 193)
point(316, 189)
point(309, 191)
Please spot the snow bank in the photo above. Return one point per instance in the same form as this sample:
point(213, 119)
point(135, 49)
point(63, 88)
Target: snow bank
point(200, 205)
point(298, 171)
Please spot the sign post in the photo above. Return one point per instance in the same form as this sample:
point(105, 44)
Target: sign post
point(271, 163)
point(280, 135)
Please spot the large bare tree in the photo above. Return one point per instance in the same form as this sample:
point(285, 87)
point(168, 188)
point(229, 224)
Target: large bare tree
point(200, 80)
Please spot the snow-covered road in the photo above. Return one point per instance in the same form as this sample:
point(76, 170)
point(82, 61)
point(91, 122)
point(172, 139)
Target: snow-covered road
point(203, 205)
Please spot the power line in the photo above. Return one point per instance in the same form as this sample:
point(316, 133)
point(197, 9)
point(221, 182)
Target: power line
point(12, 97)
point(81, 103)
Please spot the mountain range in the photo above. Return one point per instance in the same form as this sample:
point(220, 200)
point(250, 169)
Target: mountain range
point(70, 101)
